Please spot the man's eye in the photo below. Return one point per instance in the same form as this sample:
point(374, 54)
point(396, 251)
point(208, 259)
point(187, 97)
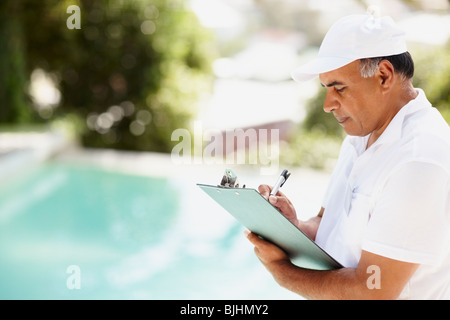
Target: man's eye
point(340, 90)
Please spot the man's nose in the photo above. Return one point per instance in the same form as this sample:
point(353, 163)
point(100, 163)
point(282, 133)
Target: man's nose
point(330, 104)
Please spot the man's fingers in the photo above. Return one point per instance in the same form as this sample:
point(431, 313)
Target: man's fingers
point(264, 250)
point(264, 190)
point(282, 203)
point(253, 238)
point(279, 201)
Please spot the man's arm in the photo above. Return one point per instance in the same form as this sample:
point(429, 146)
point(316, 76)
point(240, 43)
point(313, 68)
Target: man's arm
point(310, 226)
point(376, 277)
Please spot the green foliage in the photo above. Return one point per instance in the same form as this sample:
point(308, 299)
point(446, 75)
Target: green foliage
point(134, 71)
point(14, 106)
point(432, 75)
point(313, 149)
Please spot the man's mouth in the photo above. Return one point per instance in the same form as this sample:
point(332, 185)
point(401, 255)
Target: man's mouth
point(341, 120)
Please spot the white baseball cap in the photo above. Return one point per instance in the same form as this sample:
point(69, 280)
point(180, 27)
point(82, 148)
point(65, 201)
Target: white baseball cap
point(352, 38)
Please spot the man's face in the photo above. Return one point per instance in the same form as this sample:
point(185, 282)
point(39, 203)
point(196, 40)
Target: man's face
point(356, 102)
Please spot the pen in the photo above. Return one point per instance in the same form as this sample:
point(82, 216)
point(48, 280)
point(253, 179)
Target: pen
point(281, 180)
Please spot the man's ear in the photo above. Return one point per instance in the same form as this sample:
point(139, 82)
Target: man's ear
point(385, 74)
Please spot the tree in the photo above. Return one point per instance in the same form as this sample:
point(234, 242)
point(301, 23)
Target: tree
point(14, 107)
point(134, 70)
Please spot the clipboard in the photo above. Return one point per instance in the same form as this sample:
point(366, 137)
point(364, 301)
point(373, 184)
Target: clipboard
point(257, 214)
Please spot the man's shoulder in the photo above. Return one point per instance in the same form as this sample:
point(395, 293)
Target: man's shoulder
point(428, 138)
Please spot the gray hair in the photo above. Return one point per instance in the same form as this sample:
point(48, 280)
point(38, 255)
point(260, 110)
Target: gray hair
point(403, 65)
point(369, 66)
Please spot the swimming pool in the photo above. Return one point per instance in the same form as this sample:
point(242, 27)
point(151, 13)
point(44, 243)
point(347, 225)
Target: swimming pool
point(73, 231)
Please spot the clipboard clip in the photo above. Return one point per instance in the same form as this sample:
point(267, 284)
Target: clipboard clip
point(229, 180)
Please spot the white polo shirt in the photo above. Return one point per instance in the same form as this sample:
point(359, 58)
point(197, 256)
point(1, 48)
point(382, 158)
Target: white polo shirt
point(393, 199)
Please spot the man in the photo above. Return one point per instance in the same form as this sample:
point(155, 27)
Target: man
point(386, 212)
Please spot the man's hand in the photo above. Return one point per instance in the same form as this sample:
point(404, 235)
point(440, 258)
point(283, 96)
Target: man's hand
point(281, 202)
point(267, 252)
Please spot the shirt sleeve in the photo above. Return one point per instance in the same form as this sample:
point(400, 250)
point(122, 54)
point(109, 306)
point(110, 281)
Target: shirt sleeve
point(410, 220)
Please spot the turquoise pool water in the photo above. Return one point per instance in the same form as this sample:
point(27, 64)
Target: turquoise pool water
point(78, 232)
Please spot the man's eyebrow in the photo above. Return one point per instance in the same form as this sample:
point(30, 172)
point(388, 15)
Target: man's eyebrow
point(332, 84)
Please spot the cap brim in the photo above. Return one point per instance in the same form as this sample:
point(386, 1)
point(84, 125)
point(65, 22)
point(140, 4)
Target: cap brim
point(312, 69)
